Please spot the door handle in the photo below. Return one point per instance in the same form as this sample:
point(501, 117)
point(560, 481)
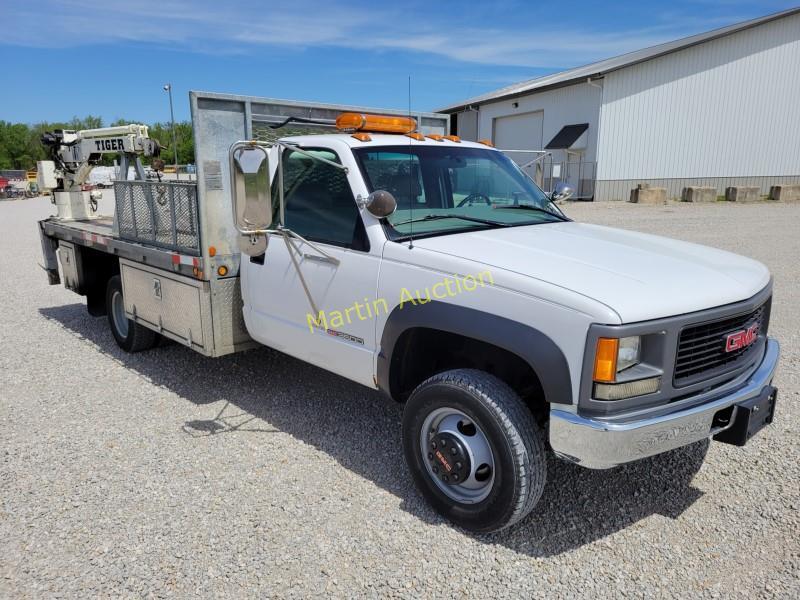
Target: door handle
point(323, 259)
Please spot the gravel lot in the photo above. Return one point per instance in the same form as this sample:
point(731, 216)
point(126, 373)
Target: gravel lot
point(168, 474)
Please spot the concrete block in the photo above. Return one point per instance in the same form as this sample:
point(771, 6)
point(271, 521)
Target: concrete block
point(785, 193)
point(743, 193)
point(696, 193)
point(644, 194)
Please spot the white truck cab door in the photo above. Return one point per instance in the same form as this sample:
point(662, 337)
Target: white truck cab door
point(340, 335)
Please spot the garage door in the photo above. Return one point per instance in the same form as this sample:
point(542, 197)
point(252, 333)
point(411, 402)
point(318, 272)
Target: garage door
point(519, 132)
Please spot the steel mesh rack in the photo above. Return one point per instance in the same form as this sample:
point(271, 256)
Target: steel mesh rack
point(159, 213)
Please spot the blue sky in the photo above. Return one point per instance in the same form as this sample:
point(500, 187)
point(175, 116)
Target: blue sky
point(77, 57)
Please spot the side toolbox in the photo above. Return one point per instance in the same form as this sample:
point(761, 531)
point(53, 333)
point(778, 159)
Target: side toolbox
point(70, 266)
point(204, 315)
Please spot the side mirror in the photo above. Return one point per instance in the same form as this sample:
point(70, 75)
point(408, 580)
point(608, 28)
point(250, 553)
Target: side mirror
point(561, 192)
point(250, 188)
point(380, 204)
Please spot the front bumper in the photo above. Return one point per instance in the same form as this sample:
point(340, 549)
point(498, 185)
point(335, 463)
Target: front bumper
point(602, 444)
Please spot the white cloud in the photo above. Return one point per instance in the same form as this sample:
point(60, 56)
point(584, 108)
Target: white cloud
point(233, 27)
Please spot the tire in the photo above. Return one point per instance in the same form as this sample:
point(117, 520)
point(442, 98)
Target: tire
point(130, 336)
point(516, 443)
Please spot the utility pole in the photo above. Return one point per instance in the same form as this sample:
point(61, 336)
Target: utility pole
point(168, 89)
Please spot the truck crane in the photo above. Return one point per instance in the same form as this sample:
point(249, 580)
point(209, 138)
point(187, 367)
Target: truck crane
point(75, 153)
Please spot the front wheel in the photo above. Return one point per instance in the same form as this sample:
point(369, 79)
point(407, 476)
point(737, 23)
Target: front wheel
point(474, 449)
point(130, 336)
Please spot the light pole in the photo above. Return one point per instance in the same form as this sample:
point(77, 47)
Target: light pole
point(168, 89)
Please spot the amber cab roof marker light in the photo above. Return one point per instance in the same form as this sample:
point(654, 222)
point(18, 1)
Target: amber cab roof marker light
point(486, 143)
point(436, 136)
point(453, 138)
point(361, 136)
point(416, 136)
point(375, 123)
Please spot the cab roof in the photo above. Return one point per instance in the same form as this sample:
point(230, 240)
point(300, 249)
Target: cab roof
point(377, 139)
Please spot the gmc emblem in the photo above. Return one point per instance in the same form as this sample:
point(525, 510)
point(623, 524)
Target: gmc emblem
point(741, 339)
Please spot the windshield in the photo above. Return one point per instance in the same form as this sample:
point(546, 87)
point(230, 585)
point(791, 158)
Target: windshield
point(451, 189)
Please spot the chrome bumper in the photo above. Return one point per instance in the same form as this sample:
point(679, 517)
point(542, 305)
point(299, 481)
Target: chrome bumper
point(601, 444)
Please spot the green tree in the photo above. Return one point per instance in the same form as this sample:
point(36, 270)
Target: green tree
point(15, 151)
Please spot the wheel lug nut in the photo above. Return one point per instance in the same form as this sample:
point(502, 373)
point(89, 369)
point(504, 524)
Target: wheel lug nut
point(444, 443)
point(444, 478)
point(453, 451)
point(433, 445)
point(435, 469)
point(430, 455)
point(455, 476)
point(458, 466)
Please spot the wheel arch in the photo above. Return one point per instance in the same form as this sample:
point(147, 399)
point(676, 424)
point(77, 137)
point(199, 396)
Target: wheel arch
point(411, 334)
point(95, 269)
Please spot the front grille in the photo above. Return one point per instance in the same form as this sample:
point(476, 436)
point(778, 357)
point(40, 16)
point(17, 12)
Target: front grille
point(701, 348)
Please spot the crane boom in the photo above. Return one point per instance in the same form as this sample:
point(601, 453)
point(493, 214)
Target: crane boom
point(75, 153)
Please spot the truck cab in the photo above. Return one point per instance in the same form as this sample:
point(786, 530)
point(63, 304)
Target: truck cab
point(435, 270)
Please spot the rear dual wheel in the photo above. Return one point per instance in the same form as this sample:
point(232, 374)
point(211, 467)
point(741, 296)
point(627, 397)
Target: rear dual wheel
point(474, 449)
point(130, 336)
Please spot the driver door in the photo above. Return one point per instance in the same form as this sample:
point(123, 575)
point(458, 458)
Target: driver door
point(318, 308)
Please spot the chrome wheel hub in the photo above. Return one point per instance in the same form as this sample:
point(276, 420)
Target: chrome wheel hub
point(457, 455)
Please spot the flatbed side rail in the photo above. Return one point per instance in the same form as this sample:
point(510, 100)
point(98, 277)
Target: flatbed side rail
point(102, 239)
point(159, 213)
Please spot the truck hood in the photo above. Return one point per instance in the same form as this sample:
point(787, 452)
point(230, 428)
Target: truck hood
point(637, 275)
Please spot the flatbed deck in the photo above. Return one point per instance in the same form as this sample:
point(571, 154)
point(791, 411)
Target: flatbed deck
point(99, 234)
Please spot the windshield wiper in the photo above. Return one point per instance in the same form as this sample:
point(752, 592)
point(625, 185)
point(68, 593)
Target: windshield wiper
point(462, 217)
point(533, 208)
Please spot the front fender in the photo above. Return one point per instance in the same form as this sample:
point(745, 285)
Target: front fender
point(534, 347)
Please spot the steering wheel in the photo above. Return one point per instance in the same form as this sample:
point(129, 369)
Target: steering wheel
point(469, 200)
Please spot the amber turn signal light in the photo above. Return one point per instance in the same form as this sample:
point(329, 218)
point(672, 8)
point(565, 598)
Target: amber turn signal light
point(605, 360)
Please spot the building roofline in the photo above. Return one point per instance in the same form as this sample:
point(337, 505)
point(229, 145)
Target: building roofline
point(597, 70)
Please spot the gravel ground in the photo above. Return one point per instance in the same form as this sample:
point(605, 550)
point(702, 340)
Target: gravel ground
point(168, 474)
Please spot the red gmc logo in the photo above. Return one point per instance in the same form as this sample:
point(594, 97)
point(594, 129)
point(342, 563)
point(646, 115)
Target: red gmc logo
point(740, 339)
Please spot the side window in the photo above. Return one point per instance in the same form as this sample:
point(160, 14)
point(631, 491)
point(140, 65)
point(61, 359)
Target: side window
point(319, 204)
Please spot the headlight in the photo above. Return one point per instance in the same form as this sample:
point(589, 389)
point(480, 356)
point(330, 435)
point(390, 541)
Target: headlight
point(628, 352)
point(614, 355)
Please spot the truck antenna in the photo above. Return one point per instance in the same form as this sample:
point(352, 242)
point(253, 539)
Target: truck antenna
point(410, 174)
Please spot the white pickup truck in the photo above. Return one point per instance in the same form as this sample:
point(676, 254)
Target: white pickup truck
point(433, 269)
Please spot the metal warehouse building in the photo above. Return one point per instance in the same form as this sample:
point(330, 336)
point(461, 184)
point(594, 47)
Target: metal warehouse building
point(716, 109)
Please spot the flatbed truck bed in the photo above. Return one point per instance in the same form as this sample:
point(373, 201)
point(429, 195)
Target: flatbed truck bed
point(165, 290)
